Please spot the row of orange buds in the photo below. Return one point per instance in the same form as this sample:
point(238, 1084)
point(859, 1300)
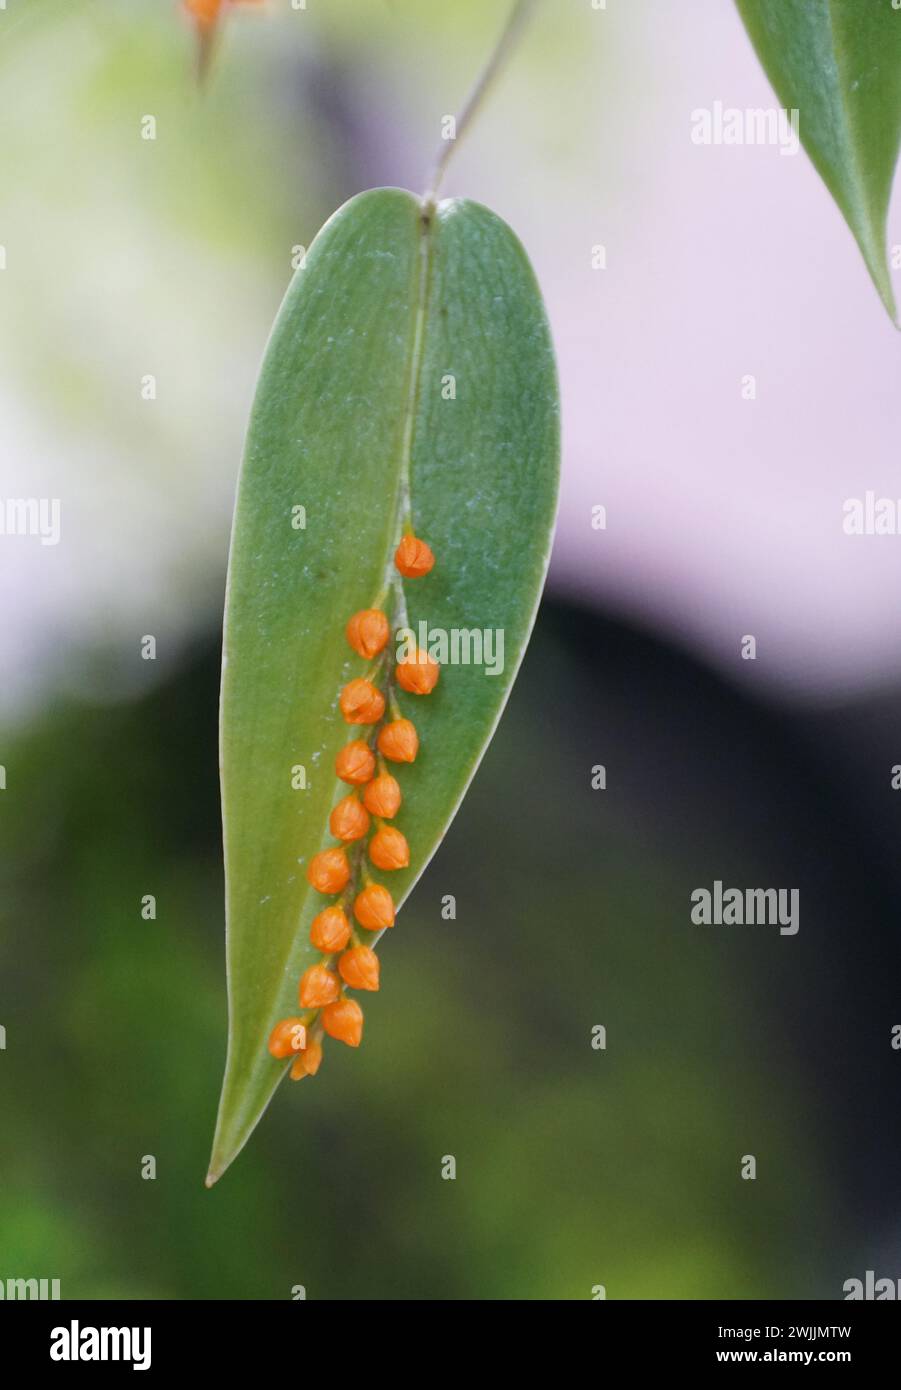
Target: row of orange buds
point(377, 796)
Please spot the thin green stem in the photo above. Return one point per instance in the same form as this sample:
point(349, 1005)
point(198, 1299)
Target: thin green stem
point(516, 22)
point(403, 516)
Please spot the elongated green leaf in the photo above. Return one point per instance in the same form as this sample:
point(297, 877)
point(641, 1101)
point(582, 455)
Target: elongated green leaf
point(411, 361)
point(838, 63)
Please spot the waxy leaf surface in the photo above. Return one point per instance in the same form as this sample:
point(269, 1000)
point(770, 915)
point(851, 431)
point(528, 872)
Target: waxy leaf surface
point(838, 62)
point(354, 401)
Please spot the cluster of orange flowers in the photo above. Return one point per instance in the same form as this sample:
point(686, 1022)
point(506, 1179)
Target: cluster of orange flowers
point(376, 796)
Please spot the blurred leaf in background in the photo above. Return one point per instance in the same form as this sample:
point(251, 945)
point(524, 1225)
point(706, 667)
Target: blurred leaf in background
point(837, 64)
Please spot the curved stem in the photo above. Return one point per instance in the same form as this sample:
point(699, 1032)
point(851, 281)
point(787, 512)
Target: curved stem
point(516, 22)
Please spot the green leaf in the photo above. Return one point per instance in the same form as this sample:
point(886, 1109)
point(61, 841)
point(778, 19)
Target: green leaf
point(355, 417)
point(838, 62)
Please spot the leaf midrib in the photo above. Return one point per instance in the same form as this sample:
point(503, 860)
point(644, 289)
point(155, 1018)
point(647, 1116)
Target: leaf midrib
point(849, 128)
point(402, 503)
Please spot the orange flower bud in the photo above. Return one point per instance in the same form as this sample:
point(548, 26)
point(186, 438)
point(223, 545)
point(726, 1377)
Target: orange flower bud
point(418, 674)
point(382, 797)
point(413, 558)
point(360, 968)
point(361, 702)
point(344, 1021)
point(348, 820)
point(318, 986)
point(368, 632)
point(388, 849)
point(355, 763)
point(288, 1037)
point(330, 930)
point(307, 1063)
point(399, 741)
point(374, 908)
point(206, 12)
point(329, 871)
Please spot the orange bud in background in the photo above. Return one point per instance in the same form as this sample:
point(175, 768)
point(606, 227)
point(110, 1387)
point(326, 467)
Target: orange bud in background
point(288, 1037)
point(388, 849)
point(318, 986)
point(360, 968)
point(330, 930)
point(355, 763)
point(344, 1021)
point(374, 908)
point(382, 797)
point(206, 12)
point(308, 1062)
point(399, 741)
point(368, 632)
point(348, 821)
point(206, 15)
point(361, 702)
point(329, 871)
point(418, 674)
point(413, 558)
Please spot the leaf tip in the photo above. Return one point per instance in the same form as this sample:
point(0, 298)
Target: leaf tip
point(877, 264)
point(887, 296)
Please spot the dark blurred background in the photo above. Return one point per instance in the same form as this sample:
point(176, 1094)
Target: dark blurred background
point(575, 1167)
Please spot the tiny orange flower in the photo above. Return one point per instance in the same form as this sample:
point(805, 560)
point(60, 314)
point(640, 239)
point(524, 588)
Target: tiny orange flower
point(206, 12)
point(374, 908)
point(399, 741)
point(360, 968)
point(361, 702)
point(329, 871)
point(348, 821)
point(312, 1057)
point(344, 1021)
point(388, 849)
point(382, 797)
point(355, 763)
point(318, 986)
point(287, 1037)
point(418, 674)
point(307, 1063)
point(330, 930)
point(413, 558)
point(368, 632)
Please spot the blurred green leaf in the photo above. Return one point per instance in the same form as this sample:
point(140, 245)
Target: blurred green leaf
point(838, 62)
point(354, 416)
